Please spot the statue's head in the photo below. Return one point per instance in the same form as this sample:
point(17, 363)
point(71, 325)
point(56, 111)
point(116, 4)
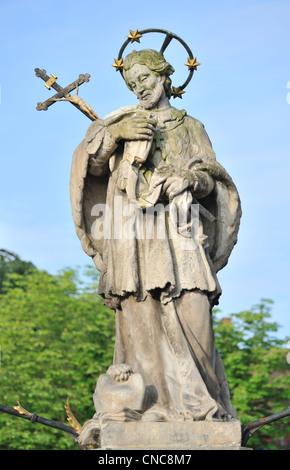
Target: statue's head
point(147, 73)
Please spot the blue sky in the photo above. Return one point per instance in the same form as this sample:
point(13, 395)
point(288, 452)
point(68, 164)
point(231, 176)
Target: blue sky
point(239, 92)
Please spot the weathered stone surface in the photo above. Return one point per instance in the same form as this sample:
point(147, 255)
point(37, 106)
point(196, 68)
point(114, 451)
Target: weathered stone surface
point(172, 435)
point(112, 396)
point(170, 219)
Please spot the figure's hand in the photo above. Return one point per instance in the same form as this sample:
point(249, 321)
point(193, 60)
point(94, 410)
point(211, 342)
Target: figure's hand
point(133, 128)
point(175, 185)
point(176, 181)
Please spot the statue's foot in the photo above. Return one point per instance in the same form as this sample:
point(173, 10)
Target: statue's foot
point(120, 372)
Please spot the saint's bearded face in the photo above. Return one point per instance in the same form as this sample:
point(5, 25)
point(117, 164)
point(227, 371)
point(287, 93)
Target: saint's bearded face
point(146, 85)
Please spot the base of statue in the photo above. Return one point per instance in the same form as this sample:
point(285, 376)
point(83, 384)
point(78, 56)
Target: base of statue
point(197, 435)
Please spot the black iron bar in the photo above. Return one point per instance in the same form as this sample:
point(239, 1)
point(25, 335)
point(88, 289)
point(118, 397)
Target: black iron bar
point(252, 427)
point(35, 418)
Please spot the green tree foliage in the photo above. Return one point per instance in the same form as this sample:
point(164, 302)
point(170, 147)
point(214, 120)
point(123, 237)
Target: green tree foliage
point(56, 338)
point(11, 263)
point(257, 370)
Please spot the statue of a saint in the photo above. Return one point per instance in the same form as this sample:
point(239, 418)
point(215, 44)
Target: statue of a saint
point(162, 284)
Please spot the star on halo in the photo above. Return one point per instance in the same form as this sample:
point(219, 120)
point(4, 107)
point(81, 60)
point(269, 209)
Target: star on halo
point(192, 64)
point(134, 36)
point(176, 92)
point(119, 64)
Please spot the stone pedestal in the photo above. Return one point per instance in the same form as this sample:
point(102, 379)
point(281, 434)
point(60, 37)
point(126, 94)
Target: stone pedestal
point(198, 435)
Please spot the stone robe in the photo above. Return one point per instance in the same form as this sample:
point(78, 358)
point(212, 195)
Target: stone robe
point(162, 286)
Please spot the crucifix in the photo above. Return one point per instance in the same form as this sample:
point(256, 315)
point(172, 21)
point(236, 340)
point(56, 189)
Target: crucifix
point(63, 94)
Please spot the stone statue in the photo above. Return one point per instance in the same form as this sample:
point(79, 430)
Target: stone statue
point(141, 165)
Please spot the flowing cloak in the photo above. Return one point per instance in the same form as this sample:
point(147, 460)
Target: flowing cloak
point(137, 267)
point(162, 292)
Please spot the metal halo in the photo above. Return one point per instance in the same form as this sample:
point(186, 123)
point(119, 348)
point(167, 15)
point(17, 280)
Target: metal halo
point(166, 42)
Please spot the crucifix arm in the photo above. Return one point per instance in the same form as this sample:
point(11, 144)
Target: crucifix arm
point(63, 94)
point(81, 105)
